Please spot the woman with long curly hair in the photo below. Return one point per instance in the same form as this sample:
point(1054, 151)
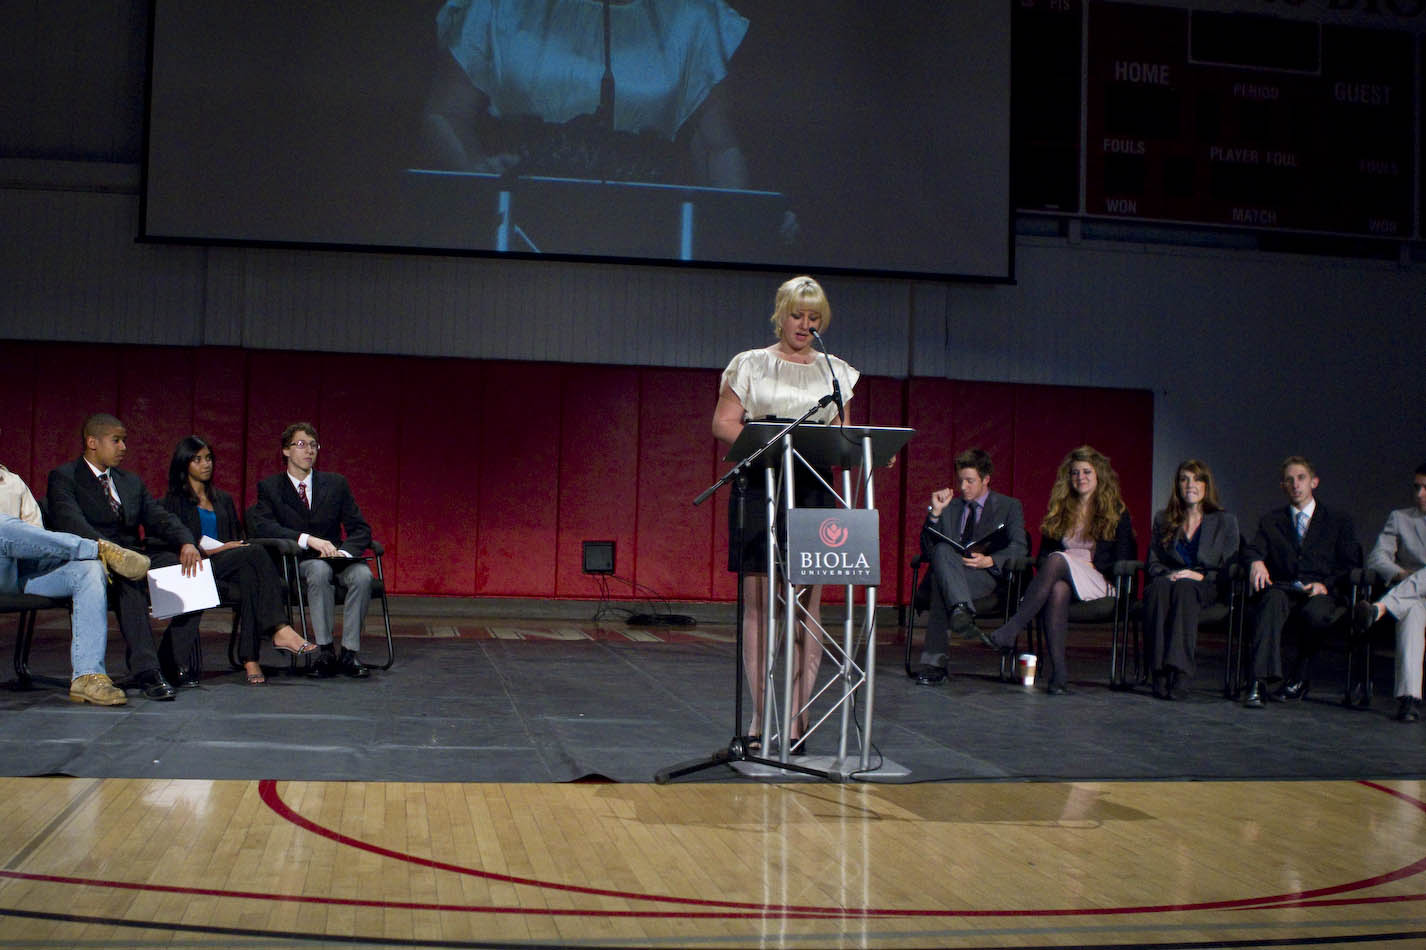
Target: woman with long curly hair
point(1085, 531)
point(1193, 540)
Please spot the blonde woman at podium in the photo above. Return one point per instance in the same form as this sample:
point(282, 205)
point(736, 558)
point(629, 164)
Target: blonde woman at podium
point(781, 381)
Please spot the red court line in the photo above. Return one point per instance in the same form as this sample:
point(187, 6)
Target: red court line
point(267, 789)
point(401, 905)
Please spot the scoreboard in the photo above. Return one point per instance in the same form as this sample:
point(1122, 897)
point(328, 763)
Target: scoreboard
point(1230, 118)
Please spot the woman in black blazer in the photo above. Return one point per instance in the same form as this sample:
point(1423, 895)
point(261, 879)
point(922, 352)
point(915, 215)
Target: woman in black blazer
point(246, 572)
point(1085, 531)
point(1194, 541)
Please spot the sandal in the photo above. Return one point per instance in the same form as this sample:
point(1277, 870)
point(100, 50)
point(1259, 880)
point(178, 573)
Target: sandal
point(256, 679)
point(307, 647)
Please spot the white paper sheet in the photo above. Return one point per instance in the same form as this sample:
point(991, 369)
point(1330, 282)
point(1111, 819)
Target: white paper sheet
point(171, 594)
point(206, 543)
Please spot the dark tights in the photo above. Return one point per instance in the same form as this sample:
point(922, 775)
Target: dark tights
point(1049, 595)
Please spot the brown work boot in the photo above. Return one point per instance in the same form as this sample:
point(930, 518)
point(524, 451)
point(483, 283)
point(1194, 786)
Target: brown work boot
point(96, 688)
point(122, 561)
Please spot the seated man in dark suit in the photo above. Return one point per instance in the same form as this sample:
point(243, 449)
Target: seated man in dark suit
point(1300, 561)
point(316, 509)
point(54, 564)
point(957, 580)
point(93, 498)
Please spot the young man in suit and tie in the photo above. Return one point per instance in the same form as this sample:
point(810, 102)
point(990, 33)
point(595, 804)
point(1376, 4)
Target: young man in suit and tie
point(317, 510)
point(55, 564)
point(1300, 559)
point(93, 498)
point(1399, 559)
point(956, 581)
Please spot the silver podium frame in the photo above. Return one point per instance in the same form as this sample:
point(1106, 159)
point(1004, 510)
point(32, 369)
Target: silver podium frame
point(850, 448)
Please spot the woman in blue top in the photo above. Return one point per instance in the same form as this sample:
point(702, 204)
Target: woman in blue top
point(1194, 540)
point(245, 573)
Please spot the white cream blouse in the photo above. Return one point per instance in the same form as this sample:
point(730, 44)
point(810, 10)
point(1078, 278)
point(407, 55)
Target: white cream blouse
point(767, 385)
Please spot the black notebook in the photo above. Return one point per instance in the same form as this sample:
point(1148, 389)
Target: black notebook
point(978, 546)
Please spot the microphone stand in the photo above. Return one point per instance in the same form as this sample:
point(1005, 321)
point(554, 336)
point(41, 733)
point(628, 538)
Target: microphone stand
point(831, 371)
point(737, 749)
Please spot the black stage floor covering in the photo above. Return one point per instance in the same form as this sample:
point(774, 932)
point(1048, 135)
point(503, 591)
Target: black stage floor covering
point(475, 700)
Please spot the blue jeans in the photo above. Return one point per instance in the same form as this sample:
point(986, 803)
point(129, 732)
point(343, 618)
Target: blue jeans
point(54, 564)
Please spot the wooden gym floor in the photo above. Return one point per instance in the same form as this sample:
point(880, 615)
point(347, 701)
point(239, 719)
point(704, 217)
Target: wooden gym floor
point(189, 863)
point(1330, 852)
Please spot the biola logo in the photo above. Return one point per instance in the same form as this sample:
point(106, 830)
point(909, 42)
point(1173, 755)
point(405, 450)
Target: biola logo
point(837, 560)
point(833, 533)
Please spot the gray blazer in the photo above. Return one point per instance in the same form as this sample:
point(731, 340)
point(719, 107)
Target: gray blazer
point(1218, 542)
point(1400, 546)
point(998, 508)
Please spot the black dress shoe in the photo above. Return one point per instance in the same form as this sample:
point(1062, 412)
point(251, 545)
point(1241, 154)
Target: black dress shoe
point(185, 678)
point(1160, 685)
point(324, 666)
point(1293, 690)
point(930, 676)
point(1254, 699)
point(349, 665)
point(154, 686)
point(1408, 709)
point(1057, 689)
point(963, 621)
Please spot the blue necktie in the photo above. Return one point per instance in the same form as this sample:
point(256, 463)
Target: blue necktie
point(1301, 521)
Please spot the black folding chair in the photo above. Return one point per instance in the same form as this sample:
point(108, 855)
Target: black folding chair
point(27, 607)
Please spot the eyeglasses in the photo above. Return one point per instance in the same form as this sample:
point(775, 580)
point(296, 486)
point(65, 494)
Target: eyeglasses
point(304, 444)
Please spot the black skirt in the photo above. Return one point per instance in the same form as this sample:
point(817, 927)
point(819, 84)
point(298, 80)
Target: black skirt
point(808, 493)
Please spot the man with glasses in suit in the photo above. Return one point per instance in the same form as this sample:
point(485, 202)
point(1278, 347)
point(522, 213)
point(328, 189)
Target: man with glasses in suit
point(993, 526)
point(1398, 559)
point(317, 510)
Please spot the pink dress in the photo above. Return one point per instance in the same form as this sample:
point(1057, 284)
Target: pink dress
point(1089, 584)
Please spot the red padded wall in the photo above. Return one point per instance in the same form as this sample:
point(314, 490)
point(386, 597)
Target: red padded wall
point(675, 426)
point(598, 488)
point(483, 478)
point(71, 382)
point(440, 451)
point(17, 423)
point(517, 416)
point(360, 439)
point(156, 406)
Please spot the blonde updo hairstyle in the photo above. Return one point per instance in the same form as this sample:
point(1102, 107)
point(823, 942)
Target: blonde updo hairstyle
point(800, 293)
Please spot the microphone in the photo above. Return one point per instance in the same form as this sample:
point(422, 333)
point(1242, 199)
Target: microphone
point(836, 386)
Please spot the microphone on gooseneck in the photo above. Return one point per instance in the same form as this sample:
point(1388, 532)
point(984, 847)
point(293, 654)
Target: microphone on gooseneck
point(836, 386)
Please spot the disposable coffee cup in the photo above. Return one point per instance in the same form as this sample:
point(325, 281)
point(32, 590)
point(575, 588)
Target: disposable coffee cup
point(1025, 668)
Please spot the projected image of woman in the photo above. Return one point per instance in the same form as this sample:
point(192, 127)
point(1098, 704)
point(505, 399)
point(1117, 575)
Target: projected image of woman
point(783, 381)
point(524, 84)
